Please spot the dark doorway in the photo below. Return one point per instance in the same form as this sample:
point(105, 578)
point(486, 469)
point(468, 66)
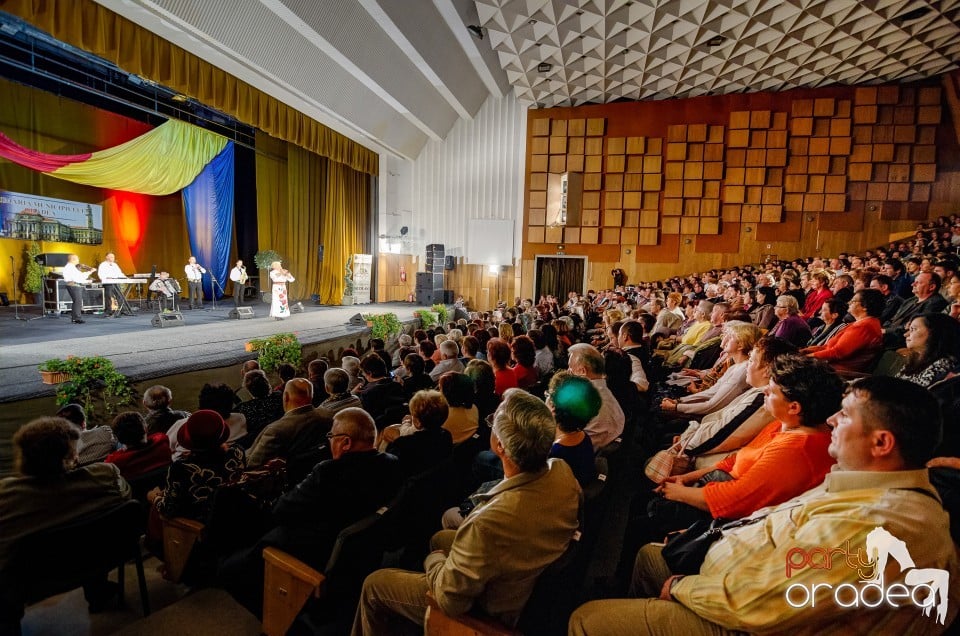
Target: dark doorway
point(559, 275)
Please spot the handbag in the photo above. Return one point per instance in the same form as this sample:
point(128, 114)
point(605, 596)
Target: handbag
point(666, 463)
point(685, 551)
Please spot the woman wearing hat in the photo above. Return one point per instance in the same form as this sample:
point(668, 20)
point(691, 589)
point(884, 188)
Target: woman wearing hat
point(208, 464)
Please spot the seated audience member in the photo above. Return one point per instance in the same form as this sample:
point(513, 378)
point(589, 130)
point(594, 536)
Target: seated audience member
point(786, 458)
point(378, 346)
point(877, 497)
point(338, 492)
point(762, 311)
point(241, 394)
point(574, 401)
point(287, 372)
point(207, 463)
point(484, 388)
point(300, 430)
point(543, 359)
point(791, 326)
point(463, 417)
point(926, 300)
point(469, 347)
point(403, 340)
point(160, 417)
point(631, 341)
point(831, 316)
point(351, 364)
point(587, 362)
point(379, 392)
point(95, 443)
point(933, 349)
point(524, 354)
point(266, 405)
point(139, 453)
point(416, 379)
point(46, 490)
point(891, 302)
point(855, 346)
point(336, 383)
point(492, 561)
point(430, 443)
point(427, 349)
point(213, 397)
point(498, 355)
point(736, 342)
point(315, 371)
point(449, 360)
point(818, 294)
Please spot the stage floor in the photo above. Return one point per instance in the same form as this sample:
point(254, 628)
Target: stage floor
point(207, 339)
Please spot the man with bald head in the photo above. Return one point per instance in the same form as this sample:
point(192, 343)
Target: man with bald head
point(301, 428)
point(337, 492)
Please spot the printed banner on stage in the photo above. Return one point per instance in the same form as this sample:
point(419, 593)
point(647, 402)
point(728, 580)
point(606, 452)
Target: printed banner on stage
point(35, 218)
point(362, 275)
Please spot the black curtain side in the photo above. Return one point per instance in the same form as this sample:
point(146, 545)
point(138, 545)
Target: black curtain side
point(245, 204)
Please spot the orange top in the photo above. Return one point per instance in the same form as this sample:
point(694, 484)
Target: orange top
point(771, 469)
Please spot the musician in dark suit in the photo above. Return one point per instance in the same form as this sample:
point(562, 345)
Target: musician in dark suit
point(239, 277)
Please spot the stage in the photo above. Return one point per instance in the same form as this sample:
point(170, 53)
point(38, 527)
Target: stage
point(207, 339)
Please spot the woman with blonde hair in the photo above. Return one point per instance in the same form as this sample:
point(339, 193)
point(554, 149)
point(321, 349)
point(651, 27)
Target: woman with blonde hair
point(505, 330)
point(280, 306)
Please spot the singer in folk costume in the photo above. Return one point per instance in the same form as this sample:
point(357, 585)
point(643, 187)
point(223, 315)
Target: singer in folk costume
point(280, 307)
point(194, 274)
point(239, 277)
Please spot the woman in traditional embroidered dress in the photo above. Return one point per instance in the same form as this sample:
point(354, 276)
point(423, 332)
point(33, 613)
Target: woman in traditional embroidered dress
point(280, 307)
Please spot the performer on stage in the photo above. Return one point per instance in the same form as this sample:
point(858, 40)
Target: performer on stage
point(111, 293)
point(194, 277)
point(239, 277)
point(75, 279)
point(279, 308)
point(168, 288)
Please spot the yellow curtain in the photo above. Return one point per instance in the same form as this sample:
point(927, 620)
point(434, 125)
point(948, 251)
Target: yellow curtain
point(271, 195)
point(346, 215)
point(91, 27)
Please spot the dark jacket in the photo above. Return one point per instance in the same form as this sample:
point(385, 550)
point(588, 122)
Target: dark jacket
point(422, 451)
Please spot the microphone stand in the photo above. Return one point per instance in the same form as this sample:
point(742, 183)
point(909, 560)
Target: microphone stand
point(16, 295)
point(213, 288)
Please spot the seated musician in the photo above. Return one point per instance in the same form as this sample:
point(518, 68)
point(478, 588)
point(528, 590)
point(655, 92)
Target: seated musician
point(166, 288)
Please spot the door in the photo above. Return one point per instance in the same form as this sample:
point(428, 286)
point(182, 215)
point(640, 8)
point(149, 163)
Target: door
point(559, 275)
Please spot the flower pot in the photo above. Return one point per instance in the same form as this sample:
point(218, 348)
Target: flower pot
point(53, 377)
point(248, 346)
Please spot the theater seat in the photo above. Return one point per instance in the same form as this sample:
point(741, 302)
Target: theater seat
point(439, 624)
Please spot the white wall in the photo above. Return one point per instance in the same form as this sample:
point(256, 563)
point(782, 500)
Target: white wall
point(476, 173)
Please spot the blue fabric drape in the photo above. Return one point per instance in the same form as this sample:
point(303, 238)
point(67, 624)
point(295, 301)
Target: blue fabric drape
point(208, 202)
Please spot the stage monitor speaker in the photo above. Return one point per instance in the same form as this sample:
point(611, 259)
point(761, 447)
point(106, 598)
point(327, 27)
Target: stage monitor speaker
point(296, 308)
point(357, 320)
point(171, 319)
point(450, 262)
point(242, 313)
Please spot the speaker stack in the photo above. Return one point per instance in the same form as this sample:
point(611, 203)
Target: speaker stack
point(430, 282)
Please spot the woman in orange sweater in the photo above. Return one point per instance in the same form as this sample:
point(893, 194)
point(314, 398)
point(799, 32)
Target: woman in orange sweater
point(786, 458)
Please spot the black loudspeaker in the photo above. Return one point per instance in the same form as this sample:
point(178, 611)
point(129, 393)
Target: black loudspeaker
point(320, 253)
point(241, 313)
point(427, 297)
point(171, 319)
point(357, 320)
point(450, 263)
point(53, 259)
point(448, 296)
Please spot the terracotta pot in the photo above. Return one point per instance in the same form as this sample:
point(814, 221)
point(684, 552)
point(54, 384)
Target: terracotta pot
point(53, 377)
point(248, 346)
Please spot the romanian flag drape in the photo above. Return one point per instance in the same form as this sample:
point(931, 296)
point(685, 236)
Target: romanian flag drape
point(160, 162)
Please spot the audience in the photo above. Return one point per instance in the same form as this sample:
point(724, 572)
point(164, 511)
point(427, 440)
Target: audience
point(139, 453)
point(160, 417)
point(429, 443)
point(301, 428)
point(587, 362)
point(94, 443)
point(574, 401)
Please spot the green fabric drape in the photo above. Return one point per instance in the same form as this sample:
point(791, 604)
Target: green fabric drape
point(91, 27)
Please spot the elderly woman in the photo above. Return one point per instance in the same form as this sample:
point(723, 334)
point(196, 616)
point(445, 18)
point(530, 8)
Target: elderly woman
point(788, 457)
point(792, 327)
point(429, 443)
point(933, 349)
point(856, 345)
point(498, 354)
point(831, 315)
point(736, 342)
point(463, 416)
point(762, 313)
point(279, 306)
point(524, 354)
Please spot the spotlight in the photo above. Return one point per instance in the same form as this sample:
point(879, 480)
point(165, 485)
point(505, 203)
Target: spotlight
point(716, 40)
point(475, 31)
point(544, 67)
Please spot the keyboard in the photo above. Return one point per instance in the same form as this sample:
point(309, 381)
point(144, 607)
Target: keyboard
point(124, 281)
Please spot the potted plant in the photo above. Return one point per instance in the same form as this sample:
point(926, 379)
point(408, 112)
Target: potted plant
point(87, 380)
point(442, 313)
point(383, 325)
point(275, 350)
point(427, 318)
point(33, 273)
point(262, 260)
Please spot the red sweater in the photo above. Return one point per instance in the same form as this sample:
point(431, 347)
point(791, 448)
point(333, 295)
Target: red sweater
point(504, 379)
point(771, 469)
point(854, 347)
point(135, 462)
point(814, 301)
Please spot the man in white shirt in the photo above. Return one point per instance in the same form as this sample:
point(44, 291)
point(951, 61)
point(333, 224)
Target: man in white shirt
point(194, 274)
point(239, 277)
point(109, 270)
point(74, 278)
point(587, 362)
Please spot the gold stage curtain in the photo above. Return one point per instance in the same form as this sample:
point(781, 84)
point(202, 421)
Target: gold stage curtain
point(307, 201)
point(91, 27)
